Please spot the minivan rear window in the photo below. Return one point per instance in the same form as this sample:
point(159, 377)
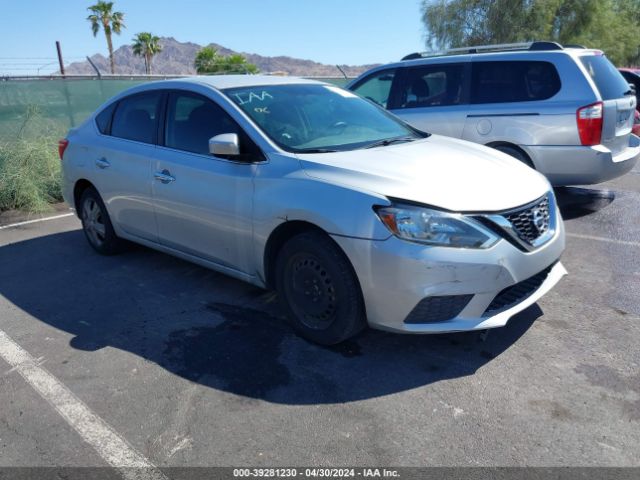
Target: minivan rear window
point(608, 80)
point(513, 81)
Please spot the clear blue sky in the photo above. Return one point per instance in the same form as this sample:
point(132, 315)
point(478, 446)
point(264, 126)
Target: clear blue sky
point(329, 31)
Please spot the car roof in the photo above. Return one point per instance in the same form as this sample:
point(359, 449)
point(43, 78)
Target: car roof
point(218, 82)
point(222, 82)
point(540, 55)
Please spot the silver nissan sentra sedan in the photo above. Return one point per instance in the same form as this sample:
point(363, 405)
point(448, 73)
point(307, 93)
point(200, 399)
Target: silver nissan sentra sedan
point(353, 216)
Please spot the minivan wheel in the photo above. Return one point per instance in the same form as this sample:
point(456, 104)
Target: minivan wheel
point(319, 290)
point(97, 225)
point(515, 153)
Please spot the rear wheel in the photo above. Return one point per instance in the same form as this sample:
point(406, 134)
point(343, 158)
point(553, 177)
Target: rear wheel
point(97, 224)
point(319, 289)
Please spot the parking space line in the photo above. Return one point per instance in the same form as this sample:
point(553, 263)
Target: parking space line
point(36, 220)
point(114, 449)
point(603, 239)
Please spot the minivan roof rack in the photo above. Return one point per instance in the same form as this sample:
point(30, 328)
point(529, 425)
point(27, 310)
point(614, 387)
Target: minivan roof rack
point(505, 47)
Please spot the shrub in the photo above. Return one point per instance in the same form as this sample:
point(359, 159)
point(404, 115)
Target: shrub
point(29, 166)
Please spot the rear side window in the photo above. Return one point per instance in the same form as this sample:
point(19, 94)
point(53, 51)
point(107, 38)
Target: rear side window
point(103, 119)
point(608, 80)
point(433, 86)
point(513, 81)
point(377, 87)
point(136, 117)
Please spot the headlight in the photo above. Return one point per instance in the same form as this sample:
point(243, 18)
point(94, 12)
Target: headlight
point(433, 227)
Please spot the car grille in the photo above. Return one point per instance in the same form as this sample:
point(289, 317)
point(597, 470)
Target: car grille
point(438, 308)
point(514, 294)
point(532, 221)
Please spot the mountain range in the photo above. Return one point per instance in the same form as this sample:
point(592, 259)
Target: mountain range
point(176, 58)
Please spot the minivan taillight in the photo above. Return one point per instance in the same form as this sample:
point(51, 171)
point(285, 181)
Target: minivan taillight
point(62, 146)
point(589, 120)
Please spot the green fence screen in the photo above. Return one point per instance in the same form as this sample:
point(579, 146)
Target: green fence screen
point(59, 104)
point(34, 114)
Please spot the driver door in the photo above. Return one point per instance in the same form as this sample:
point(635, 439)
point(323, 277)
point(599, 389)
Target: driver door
point(203, 203)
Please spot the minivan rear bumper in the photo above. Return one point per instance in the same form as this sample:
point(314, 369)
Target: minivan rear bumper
point(578, 165)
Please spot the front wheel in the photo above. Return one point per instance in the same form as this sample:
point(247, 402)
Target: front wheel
point(97, 224)
point(319, 289)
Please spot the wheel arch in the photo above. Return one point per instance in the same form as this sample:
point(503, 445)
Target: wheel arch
point(79, 188)
point(279, 236)
point(527, 158)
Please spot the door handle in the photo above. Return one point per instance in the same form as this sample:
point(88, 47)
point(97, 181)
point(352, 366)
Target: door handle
point(102, 163)
point(164, 176)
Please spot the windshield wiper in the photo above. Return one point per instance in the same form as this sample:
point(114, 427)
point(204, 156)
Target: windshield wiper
point(389, 141)
point(315, 150)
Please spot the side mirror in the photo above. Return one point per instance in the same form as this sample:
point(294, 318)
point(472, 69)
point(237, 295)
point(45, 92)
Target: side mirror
point(225, 144)
point(632, 87)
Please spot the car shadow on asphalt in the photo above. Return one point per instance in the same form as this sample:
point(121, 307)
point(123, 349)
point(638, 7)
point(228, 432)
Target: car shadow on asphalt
point(222, 333)
point(576, 202)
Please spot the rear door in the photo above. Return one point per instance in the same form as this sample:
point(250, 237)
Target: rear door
point(434, 98)
point(511, 100)
point(122, 162)
point(617, 98)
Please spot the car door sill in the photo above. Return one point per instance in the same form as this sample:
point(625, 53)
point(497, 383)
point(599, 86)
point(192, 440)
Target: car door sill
point(232, 272)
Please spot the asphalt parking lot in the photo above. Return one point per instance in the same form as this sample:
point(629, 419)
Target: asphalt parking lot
point(143, 354)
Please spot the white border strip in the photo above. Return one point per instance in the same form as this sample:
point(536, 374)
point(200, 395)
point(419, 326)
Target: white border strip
point(27, 222)
point(603, 239)
point(114, 449)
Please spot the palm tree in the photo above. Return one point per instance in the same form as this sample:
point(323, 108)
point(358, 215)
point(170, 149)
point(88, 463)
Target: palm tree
point(101, 15)
point(207, 60)
point(238, 64)
point(146, 45)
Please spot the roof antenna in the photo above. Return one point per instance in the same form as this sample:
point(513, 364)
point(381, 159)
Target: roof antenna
point(342, 72)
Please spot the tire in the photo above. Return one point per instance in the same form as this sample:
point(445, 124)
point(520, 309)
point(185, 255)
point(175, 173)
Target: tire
point(96, 224)
point(318, 289)
point(515, 153)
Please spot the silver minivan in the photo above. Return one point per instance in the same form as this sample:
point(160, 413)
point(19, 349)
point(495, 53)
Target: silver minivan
point(567, 112)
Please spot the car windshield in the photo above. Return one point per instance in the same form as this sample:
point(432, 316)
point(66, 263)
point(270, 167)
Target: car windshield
point(319, 118)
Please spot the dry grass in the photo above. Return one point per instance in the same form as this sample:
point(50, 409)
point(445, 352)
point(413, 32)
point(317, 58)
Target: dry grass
point(29, 165)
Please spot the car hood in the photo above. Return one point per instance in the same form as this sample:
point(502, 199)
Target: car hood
point(439, 171)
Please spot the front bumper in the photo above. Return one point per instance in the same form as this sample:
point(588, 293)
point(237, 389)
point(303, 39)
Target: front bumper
point(396, 275)
point(577, 165)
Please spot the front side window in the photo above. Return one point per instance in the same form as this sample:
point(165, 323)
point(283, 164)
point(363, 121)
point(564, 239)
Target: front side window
point(136, 117)
point(192, 120)
point(377, 87)
point(316, 118)
point(433, 86)
point(513, 81)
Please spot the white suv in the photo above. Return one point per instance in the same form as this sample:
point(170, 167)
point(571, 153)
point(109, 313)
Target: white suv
point(567, 112)
point(352, 215)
